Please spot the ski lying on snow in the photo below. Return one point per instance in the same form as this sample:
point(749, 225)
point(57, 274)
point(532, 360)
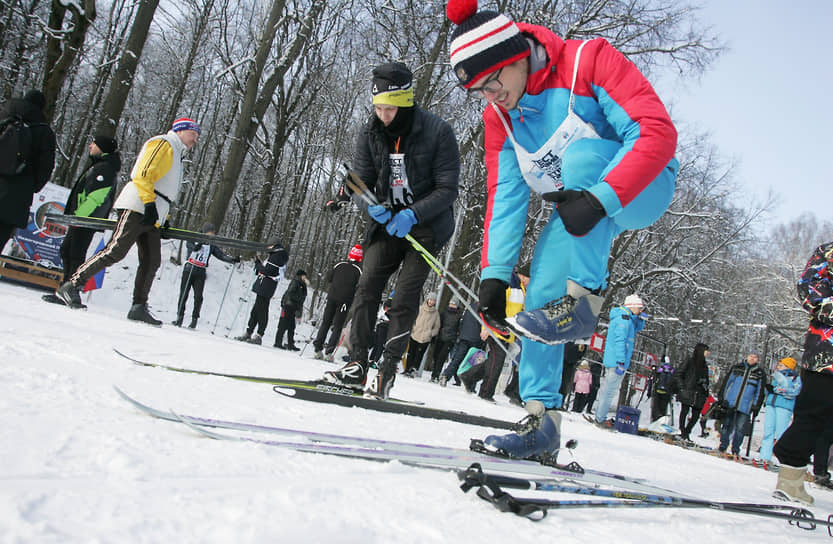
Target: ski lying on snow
point(386, 450)
point(283, 382)
point(393, 407)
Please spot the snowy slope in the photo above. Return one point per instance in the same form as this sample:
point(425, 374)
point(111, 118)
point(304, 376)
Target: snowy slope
point(81, 465)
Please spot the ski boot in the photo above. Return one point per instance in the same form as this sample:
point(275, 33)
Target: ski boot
point(823, 481)
point(140, 312)
point(292, 347)
point(443, 381)
point(571, 317)
point(193, 324)
point(790, 485)
point(177, 322)
point(539, 434)
point(256, 339)
point(383, 382)
point(244, 337)
point(69, 293)
point(319, 355)
point(353, 374)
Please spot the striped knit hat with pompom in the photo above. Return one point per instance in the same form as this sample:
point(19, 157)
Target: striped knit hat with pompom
point(482, 42)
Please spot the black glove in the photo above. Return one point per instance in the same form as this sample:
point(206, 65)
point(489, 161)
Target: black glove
point(151, 215)
point(493, 303)
point(579, 210)
point(164, 230)
point(770, 388)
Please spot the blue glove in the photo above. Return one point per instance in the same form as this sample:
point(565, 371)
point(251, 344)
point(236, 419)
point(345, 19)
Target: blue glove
point(620, 369)
point(379, 213)
point(401, 223)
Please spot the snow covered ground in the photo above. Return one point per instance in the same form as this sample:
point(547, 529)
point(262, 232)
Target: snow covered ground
point(78, 464)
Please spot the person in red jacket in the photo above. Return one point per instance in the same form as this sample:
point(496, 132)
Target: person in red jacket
point(576, 122)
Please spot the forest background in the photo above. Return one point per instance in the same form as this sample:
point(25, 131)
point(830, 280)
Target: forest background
point(281, 87)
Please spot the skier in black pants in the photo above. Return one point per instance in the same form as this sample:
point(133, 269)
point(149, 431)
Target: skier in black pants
point(409, 160)
point(292, 305)
point(194, 273)
point(264, 287)
point(449, 326)
point(343, 279)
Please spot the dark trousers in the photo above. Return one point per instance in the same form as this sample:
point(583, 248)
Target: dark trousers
point(441, 349)
point(129, 230)
point(74, 249)
point(286, 324)
point(192, 278)
point(591, 398)
point(379, 337)
point(659, 405)
point(416, 350)
point(686, 427)
point(580, 401)
point(6, 232)
point(811, 420)
point(461, 348)
point(333, 320)
point(259, 317)
point(385, 255)
point(489, 370)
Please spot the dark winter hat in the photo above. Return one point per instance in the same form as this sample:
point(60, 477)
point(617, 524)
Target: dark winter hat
point(300, 273)
point(35, 97)
point(183, 123)
point(393, 85)
point(482, 42)
point(209, 227)
point(105, 143)
point(356, 253)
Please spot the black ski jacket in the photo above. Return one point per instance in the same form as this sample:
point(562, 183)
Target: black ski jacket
point(343, 279)
point(268, 273)
point(294, 296)
point(92, 194)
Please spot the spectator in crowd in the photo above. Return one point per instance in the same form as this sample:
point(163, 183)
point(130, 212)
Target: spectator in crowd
point(27, 175)
point(410, 162)
point(425, 329)
point(693, 378)
point(814, 404)
point(264, 287)
point(582, 381)
point(662, 388)
point(143, 206)
point(449, 327)
point(596, 369)
point(780, 401)
point(572, 356)
point(343, 279)
point(292, 306)
point(741, 394)
point(194, 273)
point(468, 338)
point(625, 322)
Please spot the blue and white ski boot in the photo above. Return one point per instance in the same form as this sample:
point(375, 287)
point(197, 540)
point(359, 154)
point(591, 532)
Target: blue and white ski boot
point(539, 435)
point(568, 318)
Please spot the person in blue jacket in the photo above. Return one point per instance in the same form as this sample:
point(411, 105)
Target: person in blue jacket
point(741, 395)
point(785, 386)
point(625, 321)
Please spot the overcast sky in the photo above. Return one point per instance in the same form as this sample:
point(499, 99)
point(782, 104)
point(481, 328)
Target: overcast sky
point(768, 100)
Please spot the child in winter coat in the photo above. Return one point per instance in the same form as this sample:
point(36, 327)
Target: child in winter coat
point(784, 388)
point(582, 382)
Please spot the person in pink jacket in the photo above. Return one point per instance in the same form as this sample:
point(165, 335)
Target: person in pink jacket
point(582, 382)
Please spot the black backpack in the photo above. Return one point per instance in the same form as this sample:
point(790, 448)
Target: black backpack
point(15, 145)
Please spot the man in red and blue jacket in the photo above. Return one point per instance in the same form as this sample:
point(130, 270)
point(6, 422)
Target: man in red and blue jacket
point(578, 123)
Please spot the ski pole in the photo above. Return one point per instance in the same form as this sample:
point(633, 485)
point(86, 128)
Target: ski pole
point(233, 321)
point(536, 509)
point(223, 300)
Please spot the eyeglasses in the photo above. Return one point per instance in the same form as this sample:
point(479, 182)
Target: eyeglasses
point(492, 85)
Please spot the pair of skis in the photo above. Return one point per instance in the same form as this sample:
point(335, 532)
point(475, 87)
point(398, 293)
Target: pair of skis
point(490, 486)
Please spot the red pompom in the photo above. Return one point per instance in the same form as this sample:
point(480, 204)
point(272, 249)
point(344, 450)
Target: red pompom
point(460, 10)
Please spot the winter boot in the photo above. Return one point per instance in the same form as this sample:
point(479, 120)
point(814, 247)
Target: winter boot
point(539, 434)
point(69, 293)
point(193, 324)
point(571, 317)
point(244, 337)
point(256, 339)
point(177, 322)
point(292, 347)
point(140, 312)
point(823, 481)
point(353, 374)
point(790, 485)
point(319, 355)
point(383, 382)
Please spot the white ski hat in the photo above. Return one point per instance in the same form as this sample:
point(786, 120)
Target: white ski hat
point(633, 301)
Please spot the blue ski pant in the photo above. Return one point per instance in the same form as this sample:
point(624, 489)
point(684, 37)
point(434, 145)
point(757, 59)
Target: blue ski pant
point(559, 257)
